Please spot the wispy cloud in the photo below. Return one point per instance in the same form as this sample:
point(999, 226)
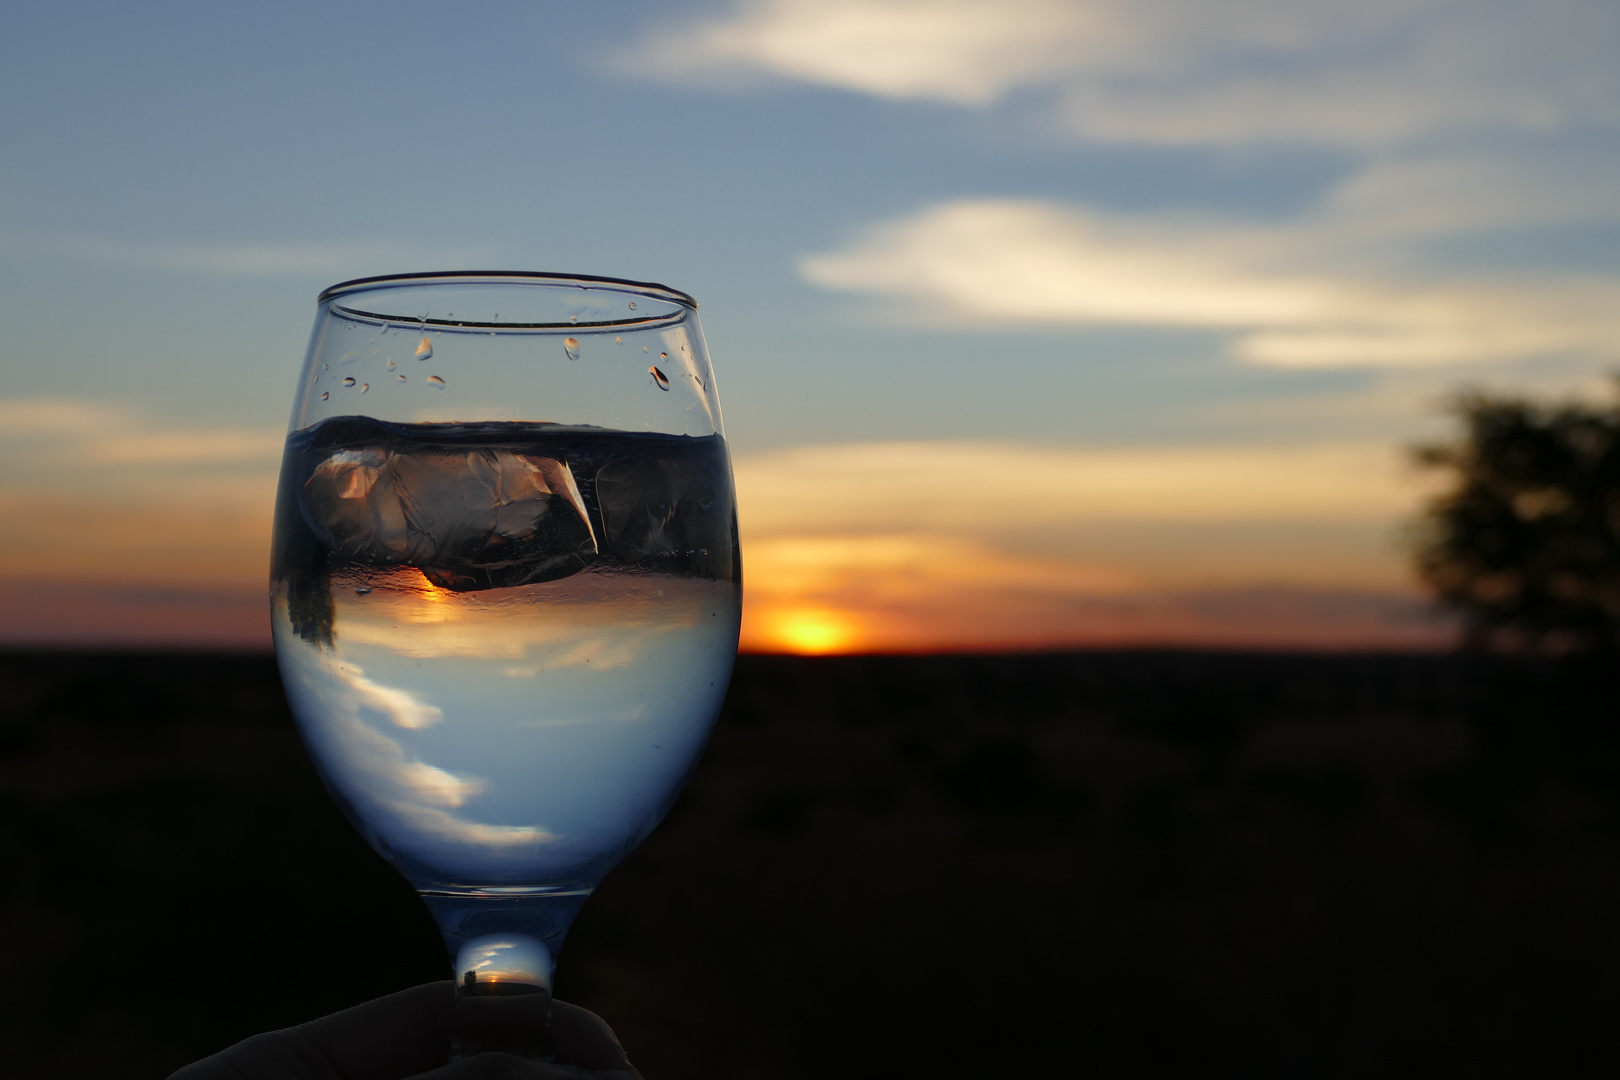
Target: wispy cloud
point(414, 805)
point(980, 488)
point(922, 545)
point(950, 50)
point(31, 417)
point(1273, 287)
point(76, 431)
point(93, 491)
point(1161, 71)
point(99, 534)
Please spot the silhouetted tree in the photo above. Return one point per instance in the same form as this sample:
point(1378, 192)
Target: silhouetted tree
point(1526, 543)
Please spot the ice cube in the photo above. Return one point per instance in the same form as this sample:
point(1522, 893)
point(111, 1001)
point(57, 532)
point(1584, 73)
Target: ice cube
point(469, 519)
point(657, 509)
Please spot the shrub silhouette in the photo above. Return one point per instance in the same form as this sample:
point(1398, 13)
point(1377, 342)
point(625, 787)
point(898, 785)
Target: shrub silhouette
point(1525, 544)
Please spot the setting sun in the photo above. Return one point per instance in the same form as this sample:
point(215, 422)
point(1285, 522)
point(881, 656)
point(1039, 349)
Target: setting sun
point(808, 631)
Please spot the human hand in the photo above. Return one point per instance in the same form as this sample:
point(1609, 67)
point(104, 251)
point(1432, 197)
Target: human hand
point(408, 1035)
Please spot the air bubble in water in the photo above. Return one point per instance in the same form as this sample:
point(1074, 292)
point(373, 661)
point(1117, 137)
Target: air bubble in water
point(659, 377)
point(349, 381)
point(435, 381)
point(571, 348)
point(424, 349)
point(325, 394)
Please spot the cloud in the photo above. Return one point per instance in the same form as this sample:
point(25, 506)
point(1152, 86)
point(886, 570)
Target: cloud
point(1020, 262)
point(401, 707)
point(411, 803)
point(912, 566)
point(188, 447)
point(188, 536)
point(85, 433)
point(1167, 72)
point(27, 418)
point(983, 488)
point(850, 619)
point(954, 544)
point(1445, 190)
point(959, 51)
point(96, 492)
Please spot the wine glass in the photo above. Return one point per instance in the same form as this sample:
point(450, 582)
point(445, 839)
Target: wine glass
point(505, 596)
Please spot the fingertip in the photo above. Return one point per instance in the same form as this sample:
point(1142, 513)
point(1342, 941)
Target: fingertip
point(582, 1038)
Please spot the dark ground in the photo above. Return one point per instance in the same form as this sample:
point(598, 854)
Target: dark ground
point(1089, 865)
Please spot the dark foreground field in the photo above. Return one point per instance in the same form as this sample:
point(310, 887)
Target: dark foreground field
point(1092, 865)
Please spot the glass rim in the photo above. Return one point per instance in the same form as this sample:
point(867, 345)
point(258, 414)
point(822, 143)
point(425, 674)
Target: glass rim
point(507, 277)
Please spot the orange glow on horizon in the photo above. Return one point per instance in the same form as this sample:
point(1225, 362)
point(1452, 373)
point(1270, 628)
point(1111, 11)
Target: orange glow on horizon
point(808, 632)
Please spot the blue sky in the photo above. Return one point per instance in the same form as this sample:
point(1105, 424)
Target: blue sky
point(1076, 237)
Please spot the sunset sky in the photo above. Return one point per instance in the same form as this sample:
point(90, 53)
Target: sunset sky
point(1037, 323)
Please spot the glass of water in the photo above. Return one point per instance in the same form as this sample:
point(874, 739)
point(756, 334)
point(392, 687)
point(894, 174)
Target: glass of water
point(505, 595)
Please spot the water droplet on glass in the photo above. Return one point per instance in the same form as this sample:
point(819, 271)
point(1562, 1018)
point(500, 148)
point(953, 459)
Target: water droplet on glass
point(573, 318)
point(659, 377)
point(571, 347)
point(383, 331)
point(371, 341)
point(363, 590)
point(391, 364)
point(325, 394)
point(364, 387)
point(632, 305)
point(313, 379)
point(346, 357)
point(401, 378)
point(349, 381)
point(435, 381)
point(663, 356)
point(424, 349)
point(618, 341)
point(644, 348)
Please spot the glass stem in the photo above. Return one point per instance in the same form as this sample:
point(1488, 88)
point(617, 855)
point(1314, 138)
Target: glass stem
point(504, 951)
